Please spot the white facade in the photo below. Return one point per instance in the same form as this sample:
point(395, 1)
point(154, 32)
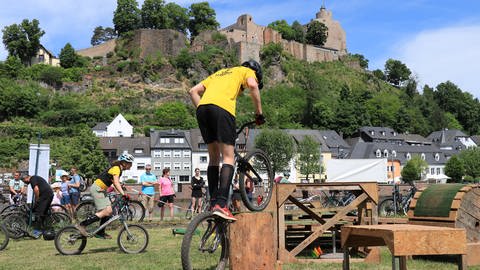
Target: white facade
point(119, 127)
point(200, 160)
point(138, 168)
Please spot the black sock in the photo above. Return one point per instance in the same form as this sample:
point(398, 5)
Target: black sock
point(91, 219)
point(103, 220)
point(226, 175)
point(212, 177)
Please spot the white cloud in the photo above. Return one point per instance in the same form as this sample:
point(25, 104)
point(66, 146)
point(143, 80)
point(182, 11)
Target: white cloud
point(445, 54)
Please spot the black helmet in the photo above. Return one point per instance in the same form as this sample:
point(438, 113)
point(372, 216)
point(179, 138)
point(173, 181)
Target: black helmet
point(49, 235)
point(252, 64)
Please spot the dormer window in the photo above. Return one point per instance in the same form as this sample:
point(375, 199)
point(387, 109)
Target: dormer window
point(394, 153)
point(437, 156)
point(422, 156)
point(372, 132)
point(385, 153)
point(383, 133)
point(408, 156)
point(378, 153)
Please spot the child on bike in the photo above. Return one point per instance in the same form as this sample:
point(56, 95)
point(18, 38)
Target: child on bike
point(215, 99)
point(107, 178)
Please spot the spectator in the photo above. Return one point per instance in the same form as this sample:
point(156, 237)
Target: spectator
point(197, 185)
point(74, 188)
point(43, 196)
point(167, 194)
point(57, 196)
point(285, 177)
point(17, 187)
point(148, 180)
point(65, 189)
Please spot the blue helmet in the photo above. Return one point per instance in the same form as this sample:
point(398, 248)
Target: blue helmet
point(126, 157)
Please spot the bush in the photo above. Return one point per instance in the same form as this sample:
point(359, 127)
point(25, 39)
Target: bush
point(131, 181)
point(74, 74)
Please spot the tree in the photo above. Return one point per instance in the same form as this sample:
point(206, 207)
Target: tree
point(23, 40)
point(379, 74)
point(298, 32)
point(308, 160)
point(471, 161)
point(278, 145)
point(396, 72)
point(202, 17)
point(12, 67)
point(412, 171)
point(454, 169)
point(127, 16)
point(68, 56)
point(283, 28)
point(100, 35)
point(362, 61)
point(174, 114)
point(317, 33)
point(177, 17)
point(154, 14)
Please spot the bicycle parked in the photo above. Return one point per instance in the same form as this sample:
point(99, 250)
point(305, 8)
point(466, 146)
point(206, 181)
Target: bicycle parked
point(20, 204)
point(132, 238)
point(205, 243)
point(4, 237)
point(388, 208)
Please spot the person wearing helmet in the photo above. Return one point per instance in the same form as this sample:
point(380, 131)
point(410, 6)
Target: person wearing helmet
point(109, 177)
point(215, 99)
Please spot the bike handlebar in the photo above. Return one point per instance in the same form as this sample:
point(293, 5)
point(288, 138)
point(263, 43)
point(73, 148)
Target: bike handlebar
point(244, 126)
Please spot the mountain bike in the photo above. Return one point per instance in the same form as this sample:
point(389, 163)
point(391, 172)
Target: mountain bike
point(205, 206)
point(388, 208)
point(4, 237)
point(20, 204)
point(205, 243)
point(132, 238)
point(19, 223)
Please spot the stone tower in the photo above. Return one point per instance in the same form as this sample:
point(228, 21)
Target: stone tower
point(336, 35)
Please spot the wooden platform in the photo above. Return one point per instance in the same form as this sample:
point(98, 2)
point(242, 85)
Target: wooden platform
point(404, 240)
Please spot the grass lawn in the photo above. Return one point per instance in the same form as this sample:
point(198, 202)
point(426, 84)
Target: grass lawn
point(163, 252)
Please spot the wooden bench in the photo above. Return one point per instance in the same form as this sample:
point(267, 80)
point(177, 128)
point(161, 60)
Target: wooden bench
point(405, 240)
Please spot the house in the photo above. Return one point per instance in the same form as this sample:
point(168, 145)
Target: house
point(172, 149)
point(119, 127)
point(139, 147)
point(476, 139)
point(44, 56)
point(199, 152)
point(335, 143)
point(451, 141)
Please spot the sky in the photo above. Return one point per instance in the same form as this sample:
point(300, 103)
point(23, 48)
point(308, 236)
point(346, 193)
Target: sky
point(438, 40)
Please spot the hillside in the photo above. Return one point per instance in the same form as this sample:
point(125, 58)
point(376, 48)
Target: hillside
point(63, 104)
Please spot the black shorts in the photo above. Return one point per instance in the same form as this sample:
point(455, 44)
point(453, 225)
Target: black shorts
point(216, 124)
point(165, 199)
point(197, 193)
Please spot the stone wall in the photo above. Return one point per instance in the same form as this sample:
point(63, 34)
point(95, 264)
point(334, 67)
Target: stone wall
point(100, 50)
point(166, 41)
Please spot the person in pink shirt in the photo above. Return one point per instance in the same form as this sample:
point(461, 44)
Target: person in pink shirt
point(167, 194)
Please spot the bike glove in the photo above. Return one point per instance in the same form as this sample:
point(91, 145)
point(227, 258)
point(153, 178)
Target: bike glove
point(259, 119)
point(126, 197)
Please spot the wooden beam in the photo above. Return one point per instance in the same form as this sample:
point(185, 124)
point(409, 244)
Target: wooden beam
point(283, 191)
point(372, 191)
point(307, 210)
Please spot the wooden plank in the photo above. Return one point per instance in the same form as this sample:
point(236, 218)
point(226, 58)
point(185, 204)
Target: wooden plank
point(283, 191)
point(432, 223)
point(473, 249)
point(256, 246)
point(371, 189)
point(328, 224)
point(307, 210)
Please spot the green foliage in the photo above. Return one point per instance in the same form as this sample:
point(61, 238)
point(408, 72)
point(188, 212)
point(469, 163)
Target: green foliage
point(19, 100)
point(317, 33)
point(308, 160)
point(152, 65)
point(283, 28)
point(126, 17)
point(11, 68)
point(183, 61)
point(471, 161)
point(68, 56)
point(51, 75)
point(379, 74)
point(74, 74)
point(271, 54)
point(278, 145)
point(413, 169)
point(174, 114)
point(153, 14)
point(454, 169)
point(362, 61)
point(298, 32)
point(23, 40)
point(396, 72)
point(202, 17)
point(177, 18)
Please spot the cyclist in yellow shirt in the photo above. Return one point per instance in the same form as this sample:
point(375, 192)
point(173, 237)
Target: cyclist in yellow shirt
point(215, 99)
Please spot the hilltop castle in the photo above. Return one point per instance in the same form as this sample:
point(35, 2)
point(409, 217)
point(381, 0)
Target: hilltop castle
point(245, 36)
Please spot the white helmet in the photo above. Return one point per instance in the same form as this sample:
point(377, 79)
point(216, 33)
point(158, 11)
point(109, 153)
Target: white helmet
point(126, 157)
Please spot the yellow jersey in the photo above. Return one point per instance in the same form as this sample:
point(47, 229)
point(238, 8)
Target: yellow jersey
point(223, 87)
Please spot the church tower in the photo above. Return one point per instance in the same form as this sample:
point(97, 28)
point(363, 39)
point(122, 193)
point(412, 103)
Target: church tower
point(336, 35)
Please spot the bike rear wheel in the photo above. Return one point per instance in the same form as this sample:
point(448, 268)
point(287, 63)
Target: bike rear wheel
point(136, 211)
point(386, 208)
point(134, 240)
point(205, 244)
point(56, 221)
point(84, 210)
point(4, 238)
point(258, 169)
point(69, 241)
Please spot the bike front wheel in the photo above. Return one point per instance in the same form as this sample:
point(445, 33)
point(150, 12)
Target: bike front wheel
point(16, 224)
point(386, 208)
point(255, 168)
point(4, 238)
point(205, 244)
point(136, 211)
point(69, 241)
point(133, 239)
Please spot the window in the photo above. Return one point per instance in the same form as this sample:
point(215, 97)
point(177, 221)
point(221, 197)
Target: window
point(120, 134)
point(432, 171)
point(408, 156)
point(437, 156)
point(241, 146)
point(184, 179)
point(164, 140)
point(383, 133)
point(179, 140)
point(157, 153)
point(41, 58)
point(438, 171)
point(422, 156)
point(372, 132)
point(138, 151)
point(177, 153)
point(394, 153)
point(187, 153)
point(378, 153)
point(177, 166)
point(141, 166)
point(186, 165)
point(202, 146)
point(203, 159)
point(385, 153)
point(157, 166)
point(167, 153)
point(167, 165)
